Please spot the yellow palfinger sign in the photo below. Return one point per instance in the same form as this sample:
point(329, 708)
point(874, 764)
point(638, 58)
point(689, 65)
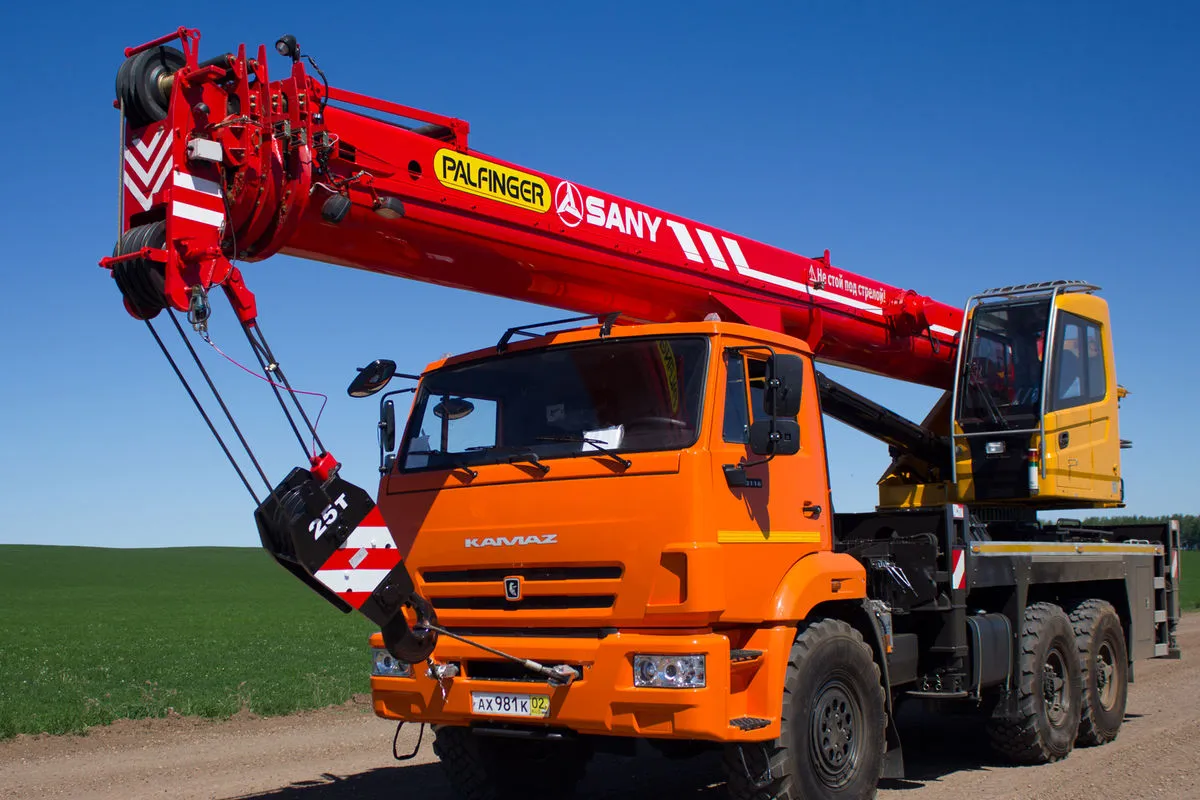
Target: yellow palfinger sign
point(494, 181)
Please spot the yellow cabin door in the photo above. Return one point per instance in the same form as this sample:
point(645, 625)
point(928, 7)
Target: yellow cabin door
point(782, 514)
point(1082, 446)
point(1069, 447)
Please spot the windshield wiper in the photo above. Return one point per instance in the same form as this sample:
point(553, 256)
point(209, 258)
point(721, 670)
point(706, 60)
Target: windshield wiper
point(529, 457)
point(523, 456)
point(599, 444)
point(463, 466)
point(974, 380)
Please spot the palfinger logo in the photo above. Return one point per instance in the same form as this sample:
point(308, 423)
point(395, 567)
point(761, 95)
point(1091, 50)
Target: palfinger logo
point(568, 202)
point(476, 176)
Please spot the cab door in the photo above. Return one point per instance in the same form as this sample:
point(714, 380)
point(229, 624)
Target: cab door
point(1068, 418)
point(1081, 432)
point(782, 512)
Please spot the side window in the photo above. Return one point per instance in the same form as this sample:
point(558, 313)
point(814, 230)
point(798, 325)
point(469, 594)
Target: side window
point(1068, 383)
point(1097, 380)
point(736, 426)
point(1078, 377)
point(758, 388)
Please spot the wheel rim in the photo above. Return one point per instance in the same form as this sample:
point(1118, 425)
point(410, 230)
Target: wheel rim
point(1054, 688)
point(1106, 676)
point(836, 732)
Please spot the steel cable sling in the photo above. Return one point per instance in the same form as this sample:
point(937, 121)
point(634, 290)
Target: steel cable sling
point(270, 367)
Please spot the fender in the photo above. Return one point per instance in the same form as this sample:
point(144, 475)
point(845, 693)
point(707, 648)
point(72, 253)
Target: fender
point(817, 578)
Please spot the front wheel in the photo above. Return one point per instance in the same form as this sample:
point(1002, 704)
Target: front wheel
point(831, 741)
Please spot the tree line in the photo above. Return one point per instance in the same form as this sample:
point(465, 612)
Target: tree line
point(1189, 525)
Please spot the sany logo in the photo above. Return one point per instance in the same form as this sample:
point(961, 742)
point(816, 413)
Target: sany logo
point(567, 202)
point(511, 541)
point(574, 207)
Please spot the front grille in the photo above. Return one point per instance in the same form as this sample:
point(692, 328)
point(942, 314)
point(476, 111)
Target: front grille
point(509, 671)
point(525, 632)
point(526, 573)
point(534, 602)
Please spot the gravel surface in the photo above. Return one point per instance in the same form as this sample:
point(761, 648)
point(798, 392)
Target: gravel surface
point(345, 752)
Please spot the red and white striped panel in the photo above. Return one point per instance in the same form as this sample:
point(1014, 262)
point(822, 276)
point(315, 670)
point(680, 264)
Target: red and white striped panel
point(197, 199)
point(361, 563)
point(958, 577)
point(148, 162)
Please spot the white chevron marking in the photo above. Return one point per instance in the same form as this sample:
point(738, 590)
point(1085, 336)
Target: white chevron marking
point(146, 149)
point(145, 199)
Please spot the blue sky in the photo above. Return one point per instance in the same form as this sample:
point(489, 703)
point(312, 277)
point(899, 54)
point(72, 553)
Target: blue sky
point(946, 147)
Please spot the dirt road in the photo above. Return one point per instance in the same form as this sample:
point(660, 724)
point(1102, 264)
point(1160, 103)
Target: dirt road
point(345, 753)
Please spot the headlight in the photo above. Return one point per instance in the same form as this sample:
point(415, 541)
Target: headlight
point(384, 663)
point(668, 672)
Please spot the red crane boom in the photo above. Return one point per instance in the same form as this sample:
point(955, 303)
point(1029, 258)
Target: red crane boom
point(222, 164)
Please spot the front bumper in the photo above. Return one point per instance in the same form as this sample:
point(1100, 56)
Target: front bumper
point(604, 700)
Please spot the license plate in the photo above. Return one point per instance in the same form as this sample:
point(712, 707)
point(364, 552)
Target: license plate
point(510, 705)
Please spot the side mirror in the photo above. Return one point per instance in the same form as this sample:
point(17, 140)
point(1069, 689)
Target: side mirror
point(387, 427)
point(786, 376)
point(775, 437)
point(371, 378)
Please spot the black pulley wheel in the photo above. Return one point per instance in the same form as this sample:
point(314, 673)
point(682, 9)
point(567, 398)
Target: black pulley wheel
point(141, 280)
point(139, 87)
point(405, 643)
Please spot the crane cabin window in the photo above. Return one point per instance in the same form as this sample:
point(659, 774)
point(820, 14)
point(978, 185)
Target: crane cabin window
point(1001, 384)
point(1078, 375)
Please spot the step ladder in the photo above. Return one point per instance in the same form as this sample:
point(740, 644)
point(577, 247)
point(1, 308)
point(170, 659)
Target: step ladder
point(1166, 595)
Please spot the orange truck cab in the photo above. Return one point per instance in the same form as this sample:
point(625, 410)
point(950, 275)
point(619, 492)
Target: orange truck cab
point(593, 499)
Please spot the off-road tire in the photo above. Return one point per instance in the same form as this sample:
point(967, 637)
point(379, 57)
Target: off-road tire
point(1040, 723)
point(832, 686)
point(492, 768)
point(1104, 661)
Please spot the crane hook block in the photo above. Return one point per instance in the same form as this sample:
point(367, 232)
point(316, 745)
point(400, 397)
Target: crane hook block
point(315, 530)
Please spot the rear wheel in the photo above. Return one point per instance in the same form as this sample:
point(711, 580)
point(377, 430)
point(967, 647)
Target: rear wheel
point(493, 768)
point(1040, 723)
point(832, 738)
point(1104, 662)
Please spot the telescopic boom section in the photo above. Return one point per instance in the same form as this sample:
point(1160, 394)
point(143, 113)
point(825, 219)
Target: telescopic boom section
point(240, 167)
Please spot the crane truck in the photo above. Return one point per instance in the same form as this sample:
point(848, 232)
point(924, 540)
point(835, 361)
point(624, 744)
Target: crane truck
point(618, 526)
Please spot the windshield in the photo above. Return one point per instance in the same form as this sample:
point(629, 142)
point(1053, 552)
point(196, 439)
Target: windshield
point(624, 395)
point(1002, 383)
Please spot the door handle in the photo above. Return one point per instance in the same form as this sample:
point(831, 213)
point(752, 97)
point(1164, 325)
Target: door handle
point(1064, 439)
point(811, 511)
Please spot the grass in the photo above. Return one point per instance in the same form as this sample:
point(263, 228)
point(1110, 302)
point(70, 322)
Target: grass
point(91, 635)
point(1189, 579)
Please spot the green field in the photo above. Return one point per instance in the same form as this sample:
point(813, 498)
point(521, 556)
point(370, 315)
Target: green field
point(1190, 580)
point(90, 635)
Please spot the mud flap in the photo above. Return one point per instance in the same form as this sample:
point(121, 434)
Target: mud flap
point(308, 526)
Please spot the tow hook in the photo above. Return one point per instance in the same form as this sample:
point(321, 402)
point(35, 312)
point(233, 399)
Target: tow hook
point(558, 675)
